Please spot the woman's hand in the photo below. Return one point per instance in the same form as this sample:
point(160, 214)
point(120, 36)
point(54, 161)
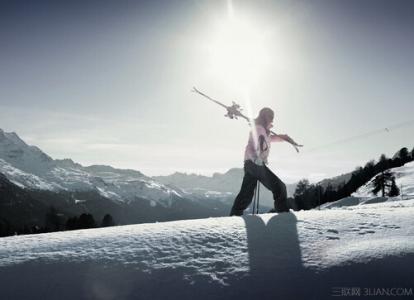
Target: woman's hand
point(286, 138)
point(290, 140)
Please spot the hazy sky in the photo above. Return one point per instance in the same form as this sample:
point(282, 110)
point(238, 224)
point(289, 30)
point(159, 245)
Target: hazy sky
point(108, 82)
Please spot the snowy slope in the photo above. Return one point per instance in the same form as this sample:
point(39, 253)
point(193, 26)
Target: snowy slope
point(302, 255)
point(404, 178)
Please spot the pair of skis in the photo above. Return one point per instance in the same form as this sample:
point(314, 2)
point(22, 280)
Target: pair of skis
point(234, 111)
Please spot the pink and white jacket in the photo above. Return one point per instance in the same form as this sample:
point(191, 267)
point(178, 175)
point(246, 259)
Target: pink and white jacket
point(253, 151)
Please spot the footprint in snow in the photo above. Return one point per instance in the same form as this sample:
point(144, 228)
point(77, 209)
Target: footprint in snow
point(391, 226)
point(330, 237)
point(365, 232)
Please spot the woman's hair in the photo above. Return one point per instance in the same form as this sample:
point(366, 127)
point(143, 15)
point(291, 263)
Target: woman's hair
point(265, 116)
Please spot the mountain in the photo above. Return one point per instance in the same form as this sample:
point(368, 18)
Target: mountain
point(128, 195)
point(18, 207)
point(29, 167)
point(335, 181)
point(27, 210)
point(224, 185)
point(297, 255)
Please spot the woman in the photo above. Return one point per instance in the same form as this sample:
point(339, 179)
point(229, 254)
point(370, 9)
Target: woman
point(255, 160)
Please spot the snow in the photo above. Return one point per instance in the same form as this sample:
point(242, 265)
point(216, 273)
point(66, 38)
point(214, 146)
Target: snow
point(80, 201)
point(296, 255)
point(404, 178)
point(26, 180)
point(207, 193)
point(360, 241)
point(29, 167)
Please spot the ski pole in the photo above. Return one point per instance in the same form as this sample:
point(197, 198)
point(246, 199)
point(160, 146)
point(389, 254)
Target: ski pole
point(258, 196)
point(254, 199)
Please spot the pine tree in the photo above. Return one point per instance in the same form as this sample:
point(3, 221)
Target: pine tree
point(394, 190)
point(369, 169)
point(72, 223)
point(404, 154)
point(384, 162)
point(107, 221)
point(86, 221)
point(52, 221)
point(301, 187)
point(382, 182)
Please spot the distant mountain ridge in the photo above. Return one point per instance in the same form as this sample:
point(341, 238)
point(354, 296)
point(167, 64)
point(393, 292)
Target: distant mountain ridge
point(229, 182)
point(29, 167)
point(31, 182)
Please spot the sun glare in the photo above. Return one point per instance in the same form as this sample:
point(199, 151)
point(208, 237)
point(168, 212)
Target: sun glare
point(238, 53)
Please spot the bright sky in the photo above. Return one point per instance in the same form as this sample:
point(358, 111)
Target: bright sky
point(108, 82)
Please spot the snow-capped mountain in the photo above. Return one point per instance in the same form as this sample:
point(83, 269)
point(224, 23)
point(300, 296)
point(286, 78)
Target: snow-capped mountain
point(72, 189)
point(27, 158)
point(365, 250)
point(28, 167)
point(219, 185)
point(227, 182)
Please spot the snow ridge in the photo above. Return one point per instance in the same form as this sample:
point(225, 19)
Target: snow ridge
point(220, 258)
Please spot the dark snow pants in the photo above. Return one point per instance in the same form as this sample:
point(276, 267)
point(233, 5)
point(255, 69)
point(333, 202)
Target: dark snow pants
point(252, 173)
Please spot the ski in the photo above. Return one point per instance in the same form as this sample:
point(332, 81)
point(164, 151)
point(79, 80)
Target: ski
point(234, 111)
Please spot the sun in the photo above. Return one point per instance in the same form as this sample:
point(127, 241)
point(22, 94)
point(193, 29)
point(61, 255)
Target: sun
point(238, 53)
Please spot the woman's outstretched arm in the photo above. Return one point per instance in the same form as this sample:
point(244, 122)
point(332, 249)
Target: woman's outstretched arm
point(284, 138)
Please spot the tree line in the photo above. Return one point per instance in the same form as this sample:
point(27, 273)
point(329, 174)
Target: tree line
point(308, 196)
point(56, 221)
